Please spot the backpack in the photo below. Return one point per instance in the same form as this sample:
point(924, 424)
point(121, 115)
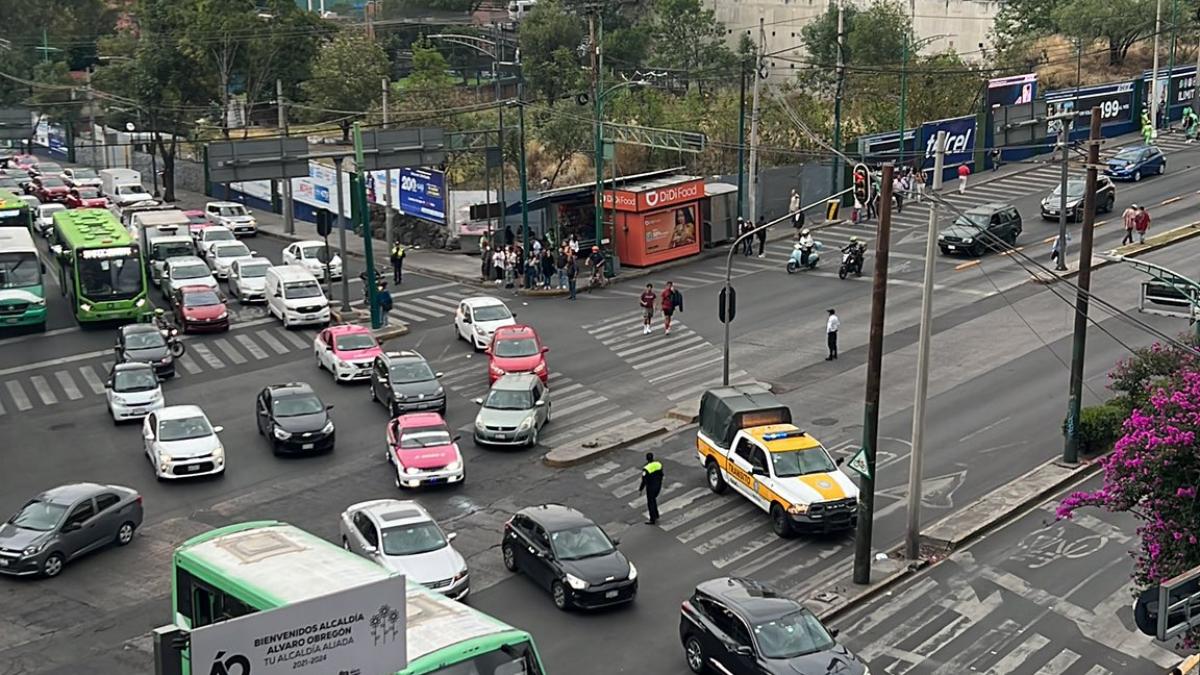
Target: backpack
point(677, 299)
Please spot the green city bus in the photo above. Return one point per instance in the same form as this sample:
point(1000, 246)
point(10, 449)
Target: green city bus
point(14, 212)
point(100, 266)
point(250, 567)
point(22, 297)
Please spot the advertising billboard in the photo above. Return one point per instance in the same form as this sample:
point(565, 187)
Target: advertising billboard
point(960, 140)
point(1012, 90)
point(422, 194)
point(1114, 100)
point(1179, 93)
point(670, 228)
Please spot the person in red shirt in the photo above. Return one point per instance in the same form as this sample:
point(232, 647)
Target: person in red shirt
point(647, 302)
point(963, 172)
point(672, 300)
point(1141, 223)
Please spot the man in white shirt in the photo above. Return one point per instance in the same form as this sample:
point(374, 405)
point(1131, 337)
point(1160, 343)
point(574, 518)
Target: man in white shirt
point(831, 330)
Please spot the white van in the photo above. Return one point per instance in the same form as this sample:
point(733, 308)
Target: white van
point(295, 296)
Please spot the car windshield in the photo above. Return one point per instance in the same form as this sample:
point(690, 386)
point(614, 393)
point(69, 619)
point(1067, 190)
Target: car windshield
point(49, 167)
point(970, 219)
point(213, 234)
point(38, 515)
point(793, 635)
point(585, 541)
point(141, 379)
point(492, 313)
point(19, 270)
point(516, 348)
point(508, 399)
point(52, 181)
point(171, 250)
point(313, 252)
point(109, 275)
point(410, 371)
point(292, 406)
point(424, 438)
point(86, 193)
point(253, 271)
point(83, 173)
point(48, 210)
point(238, 250)
point(200, 299)
point(183, 429)
point(354, 342)
point(302, 289)
point(413, 539)
point(144, 340)
point(231, 210)
point(192, 271)
point(801, 462)
point(133, 189)
point(1074, 189)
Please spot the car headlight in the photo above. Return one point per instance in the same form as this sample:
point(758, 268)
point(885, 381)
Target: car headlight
point(454, 466)
point(479, 330)
point(497, 370)
point(575, 582)
point(540, 368)
point(222, 315)
point(528, 422)
point(219, 453)
point(632, 572)
point(440, 392)
point(798, 509)
point(941, 237)
point(34, 550)
point(281, 434)
point(412, 470)
point(461, 575)
point(164, 466)
point(479, 424)
point(328, 428)
point(968, 240)
point(39, 302)
point(85, 307)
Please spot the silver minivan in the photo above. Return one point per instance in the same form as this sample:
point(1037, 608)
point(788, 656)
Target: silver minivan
point(513, 412)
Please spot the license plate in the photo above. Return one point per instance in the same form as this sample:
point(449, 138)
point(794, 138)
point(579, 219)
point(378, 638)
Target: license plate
point(11, 320)
point(310, 317)
point(434, 481)
point(612, 594)
point(137, 411)
point(192, 467)
point(307, 446)
point(950, 247)
point(501, 437)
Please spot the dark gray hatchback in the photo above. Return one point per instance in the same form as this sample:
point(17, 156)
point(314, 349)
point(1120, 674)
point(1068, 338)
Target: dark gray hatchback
point(403, 382)
point(987, 227)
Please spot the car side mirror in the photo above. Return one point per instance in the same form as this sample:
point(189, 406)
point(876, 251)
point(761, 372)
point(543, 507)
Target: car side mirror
point(466, 319)
point(218, 429)
point(615, 541)
point(253, 252)
point(540, 402)
point(117, 347)
point(452, 536)
point(540, 553)
point(329, 407)
point(438, 374)
point(455, 439)
point(833, 632)
point(487, 350)
point(108, 384)
point(758, 470)
point(56, 250)
point(71, 527)
point(545, 349)
point(839, 461)
point(368, 548)
point(477, 401)
point(149, 435)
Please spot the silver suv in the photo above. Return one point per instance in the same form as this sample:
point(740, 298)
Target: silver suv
point(513, 412)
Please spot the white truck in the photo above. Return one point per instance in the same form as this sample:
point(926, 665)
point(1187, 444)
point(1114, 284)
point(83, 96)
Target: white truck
point(123, 186)
point(232, 215)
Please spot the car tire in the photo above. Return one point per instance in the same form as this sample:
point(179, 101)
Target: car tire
point(780, 524)
point(510, 558)
point(1137, 175)
point(693, 653)
point(1108, 203)
point(533, 437)
point(547, 414)
point(52, 566)
point(716, 482)
point(977, 251)
point(945, 251)
point(558, 593)
point(371, 393)
point(457, 332)
point(317, 358)
point(1161, 168)
point(125, 533)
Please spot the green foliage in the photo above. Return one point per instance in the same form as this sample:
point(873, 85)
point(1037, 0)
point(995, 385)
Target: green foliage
point(1134, 377)
point(1120, 23)
point(687, 37)
point(549, 38)
point(400, 8)
point(346, 77)
point(1020, 20)
point(1099, 427)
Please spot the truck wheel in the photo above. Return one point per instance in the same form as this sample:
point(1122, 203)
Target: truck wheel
point(780, 523)
point(716, 482)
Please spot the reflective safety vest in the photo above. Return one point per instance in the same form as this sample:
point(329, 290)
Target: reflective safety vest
point(653, 467)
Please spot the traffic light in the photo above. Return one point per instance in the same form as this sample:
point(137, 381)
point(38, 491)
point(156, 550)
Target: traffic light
point(862, 184)
point(325, 220)
point(727, 305)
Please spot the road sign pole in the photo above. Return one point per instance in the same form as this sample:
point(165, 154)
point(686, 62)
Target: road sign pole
point(1060, 263)
point(341, 224)
point(364, 218)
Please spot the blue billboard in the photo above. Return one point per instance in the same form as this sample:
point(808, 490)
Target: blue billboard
point(960, 141)
point(423, 194)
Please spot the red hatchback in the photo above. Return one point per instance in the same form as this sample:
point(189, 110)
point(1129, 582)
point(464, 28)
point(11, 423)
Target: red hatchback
point(85, 198)
point(50, 189)
point(516, 349)
point(200, 308)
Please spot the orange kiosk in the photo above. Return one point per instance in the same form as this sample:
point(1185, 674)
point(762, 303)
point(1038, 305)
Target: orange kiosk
point(656, 220)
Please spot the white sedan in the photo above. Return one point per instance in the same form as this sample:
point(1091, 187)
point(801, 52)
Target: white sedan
point(133, 391)
point(477, 318)
point(185, 270)
point(180, 442)
point(311, 256)
point(223, 254)
point(403, 537)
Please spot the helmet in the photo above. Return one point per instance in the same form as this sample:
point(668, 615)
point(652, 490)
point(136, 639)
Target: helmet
point(158, 311)
point(854, 240)
point(805, 232)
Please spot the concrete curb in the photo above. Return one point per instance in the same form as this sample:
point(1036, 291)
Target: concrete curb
point(1162, 240)
point(627, 435)
point(356, 316)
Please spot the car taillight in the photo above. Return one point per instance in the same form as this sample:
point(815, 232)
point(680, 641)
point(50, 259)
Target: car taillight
point(139, 499)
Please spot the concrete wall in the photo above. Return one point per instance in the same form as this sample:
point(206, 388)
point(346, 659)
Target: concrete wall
point(189, 175)
point(963, 24)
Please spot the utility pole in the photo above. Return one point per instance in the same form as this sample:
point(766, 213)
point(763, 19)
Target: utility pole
point(913, 538)
point(1154, 77)
point(866, 497)
point(741, 185)
point(341, 224)
point(91, 104)
point(388, 214)
point(594, 34)
point(1171, 57)
point(908, 38)
point(837, 99)
point(521, 168)
point(1084, 283)
point(754, 117)
point(1060, 263)
point(369, 12)
point(500, 108)
point(289, 221)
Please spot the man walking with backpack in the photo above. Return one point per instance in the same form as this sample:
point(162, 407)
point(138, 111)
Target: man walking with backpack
point(672, 301)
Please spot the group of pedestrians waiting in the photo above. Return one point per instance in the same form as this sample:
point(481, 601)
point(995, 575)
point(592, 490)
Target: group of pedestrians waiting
point(539, 268)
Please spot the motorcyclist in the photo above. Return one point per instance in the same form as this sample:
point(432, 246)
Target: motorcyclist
point(806, 244)
point(162, 322)
point(858, 250)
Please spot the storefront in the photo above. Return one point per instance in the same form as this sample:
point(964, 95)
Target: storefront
point(656, 220)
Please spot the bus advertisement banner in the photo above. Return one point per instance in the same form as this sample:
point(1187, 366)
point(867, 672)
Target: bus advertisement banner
point(358, 630)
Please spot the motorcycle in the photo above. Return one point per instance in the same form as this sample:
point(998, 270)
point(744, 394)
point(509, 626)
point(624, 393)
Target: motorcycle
point(852, 261)
point(800, 259)
point(171, 334)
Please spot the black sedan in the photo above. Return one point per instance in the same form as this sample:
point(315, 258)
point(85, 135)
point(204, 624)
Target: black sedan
point(743, 627)
point(144, 343)
point(566, 553)
point(294, 419)
point(1106, 197)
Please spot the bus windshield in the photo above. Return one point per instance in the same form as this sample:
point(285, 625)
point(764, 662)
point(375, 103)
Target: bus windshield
point(109, 278)
point(19, 270)
point(14, 218)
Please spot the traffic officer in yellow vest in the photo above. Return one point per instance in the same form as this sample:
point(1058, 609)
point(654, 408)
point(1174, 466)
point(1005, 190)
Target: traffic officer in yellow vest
point(652, 480)
point(398, 252)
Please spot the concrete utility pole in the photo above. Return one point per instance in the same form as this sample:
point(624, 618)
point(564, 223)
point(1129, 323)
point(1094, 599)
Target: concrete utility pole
point(1084, 283)
point(754, 117)
point(741, 184)
point(597, 133)
point(912, 540)
point(341, 224)
point(837, 99)
point(866, 497)
point(289, 221)
point(500, 108)
point(1060, 263)
point(1154, 78)
point(91, 104)
point(388, 215)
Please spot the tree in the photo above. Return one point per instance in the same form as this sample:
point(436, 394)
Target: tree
point(1019, 21)
point(429, 86)
point(688, 37)
point(550, 37)
point(345, 78)
point(1114, 21)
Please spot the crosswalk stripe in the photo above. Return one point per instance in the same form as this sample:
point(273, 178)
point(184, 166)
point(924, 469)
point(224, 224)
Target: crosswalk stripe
point(637, 502)
point(568, 405)
point(611, 325)
point(1098, 670)
point(271, 342)
point(2, 410)
point(1058, 664)
point(677, 372)
point(248, 345)
point(296, 340)
point(208, 357)
point(619, 477)
point(229, 351)
point(754, 527)
point(414, 308)
point(448, 302)
point(42, 387)
point(68, 385)
point(597, 471)
point(18, 395)
point(717, 521)
point(744, 550)
point(645, 343)
point(93, 381)
point(564, 388)
point(189, 364)
point(1018, 655)
point(577, 432)
point(431, 305)
point(702, 509)
point(683, 500)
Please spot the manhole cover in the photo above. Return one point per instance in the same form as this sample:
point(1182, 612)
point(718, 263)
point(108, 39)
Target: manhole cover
point(825, 421)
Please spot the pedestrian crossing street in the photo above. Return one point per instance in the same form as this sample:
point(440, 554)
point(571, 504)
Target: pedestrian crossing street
point(438, 301)
point(576, 410)
point(680, 365)
point(82, 376)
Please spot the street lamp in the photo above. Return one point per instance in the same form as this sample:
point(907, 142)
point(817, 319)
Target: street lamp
point(598, 112)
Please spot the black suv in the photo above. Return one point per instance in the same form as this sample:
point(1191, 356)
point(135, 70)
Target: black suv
point(987, 227)
point(294, 419)
point(404, 382)
point(1106, 197)
point(743, 627)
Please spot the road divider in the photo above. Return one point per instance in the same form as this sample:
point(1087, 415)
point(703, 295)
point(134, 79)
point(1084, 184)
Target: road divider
point(1172, 200)
point(965, 265)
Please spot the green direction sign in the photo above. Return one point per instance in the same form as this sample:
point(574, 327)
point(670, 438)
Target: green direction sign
point(859, 463)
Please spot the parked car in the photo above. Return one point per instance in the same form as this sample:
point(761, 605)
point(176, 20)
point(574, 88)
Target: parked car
point(403, 537)
point(987, 227)
point(1136, 161)
point(66, 522)
point(144, 343)
point(10, 183)
point(403, 382)
point(294, 419)
point(199, 308)
point(422, 451)
point(478, 317)
point(81, 176)
point(739, 626)
point(221, 255)
point(50, 188)
point(513, 412)
point(180, 442)
point(346, 351)
point(85, 198)
point(566, 553)
point(248, 279)
point(185, 270)
point(516, 349)
point(311, 256)
point(133, 390)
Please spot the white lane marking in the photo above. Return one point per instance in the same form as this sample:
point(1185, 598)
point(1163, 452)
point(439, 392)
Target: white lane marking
point(423, 289)
point(93, 381)
point(1017, 656)
point(248, 344)
point(55, 362)
point(18, 395)
point(68, 385)
point(40, 336)
point(755, 527)
point(208, 357)
point(271, 342)
point(296, 340)
point(718, 521)
point(703, 509)
point(619, 477)
point(42, 388)
point(229, 351)
point(597, 471)
point(414, 311)
point(189, 364)
point(577, 432)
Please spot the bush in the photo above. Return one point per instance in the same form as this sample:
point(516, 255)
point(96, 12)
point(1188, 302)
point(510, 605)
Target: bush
point(1099, 427)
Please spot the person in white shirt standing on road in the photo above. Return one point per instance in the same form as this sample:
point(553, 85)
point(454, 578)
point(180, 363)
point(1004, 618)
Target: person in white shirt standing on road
point(831, 330)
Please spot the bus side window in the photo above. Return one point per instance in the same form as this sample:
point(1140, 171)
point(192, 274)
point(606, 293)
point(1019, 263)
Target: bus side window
point(202, 606)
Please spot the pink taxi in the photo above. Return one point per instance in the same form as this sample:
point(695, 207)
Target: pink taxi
point(423, 452)
point(346, 351)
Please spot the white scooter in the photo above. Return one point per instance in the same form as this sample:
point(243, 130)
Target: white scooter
point(800, 259)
